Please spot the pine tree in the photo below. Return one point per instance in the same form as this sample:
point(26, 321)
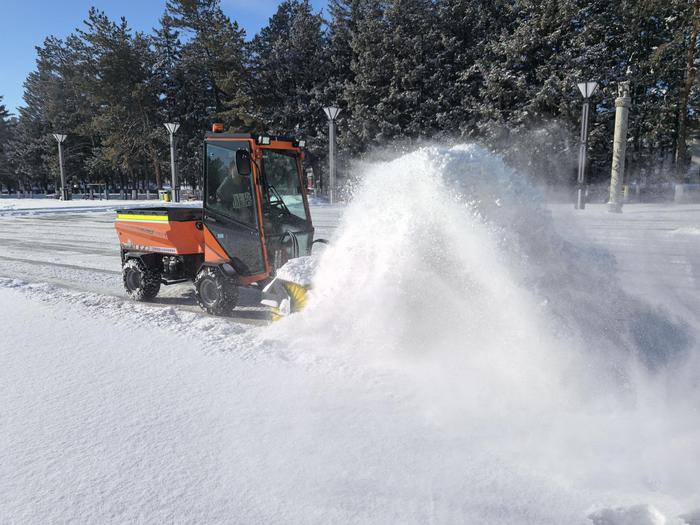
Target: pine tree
point(371, 76)
point(118, 66)
point(218, 51)
point(184, 90)
point(338, 49)
point(688, 32)
point(528, 105)
point(654, 60)
point(54, 102)
point(289, 69)
point(502, 72)
point(415, 90)
point(396, 88)
point(7, 132)
point(181, 92)
point(467, 27)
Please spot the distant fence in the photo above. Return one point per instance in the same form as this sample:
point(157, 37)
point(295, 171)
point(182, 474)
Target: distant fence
point(185, 194)
point(632, 193)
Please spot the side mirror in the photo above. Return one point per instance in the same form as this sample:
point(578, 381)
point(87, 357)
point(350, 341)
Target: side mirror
point(243, 162)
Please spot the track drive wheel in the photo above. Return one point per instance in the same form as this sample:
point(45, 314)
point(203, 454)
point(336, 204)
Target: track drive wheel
point(215, 293)
point(140, 282)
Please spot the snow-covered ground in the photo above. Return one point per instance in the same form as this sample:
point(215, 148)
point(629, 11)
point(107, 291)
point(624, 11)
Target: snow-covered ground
point(13, 207)
point(656, 247)
point(78, 249)
point(466, 358)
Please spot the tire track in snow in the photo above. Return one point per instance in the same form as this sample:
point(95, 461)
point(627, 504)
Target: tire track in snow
point(217, 332)
point(62, 265)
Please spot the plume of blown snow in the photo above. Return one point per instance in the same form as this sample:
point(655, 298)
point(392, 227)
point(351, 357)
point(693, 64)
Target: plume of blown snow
point(447, 268)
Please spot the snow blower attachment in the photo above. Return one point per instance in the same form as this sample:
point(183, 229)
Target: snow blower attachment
point(253, 219)
point(284, 298)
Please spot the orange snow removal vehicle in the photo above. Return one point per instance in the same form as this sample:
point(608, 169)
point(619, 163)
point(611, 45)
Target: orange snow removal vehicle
point(254, 218)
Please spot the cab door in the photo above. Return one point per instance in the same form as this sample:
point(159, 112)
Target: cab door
point(230, 210)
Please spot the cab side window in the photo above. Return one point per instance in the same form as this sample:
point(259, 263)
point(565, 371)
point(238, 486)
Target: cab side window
point(228, 192)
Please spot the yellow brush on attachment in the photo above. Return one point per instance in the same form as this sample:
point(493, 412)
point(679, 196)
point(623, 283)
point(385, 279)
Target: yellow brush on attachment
point(284, 298)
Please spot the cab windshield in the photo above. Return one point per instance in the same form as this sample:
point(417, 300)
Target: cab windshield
point(283, 185)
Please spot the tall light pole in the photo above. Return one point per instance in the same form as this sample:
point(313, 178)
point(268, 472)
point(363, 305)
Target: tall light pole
point(172, 130)
point(60, 138)
point(587, 89)
point(332, 114)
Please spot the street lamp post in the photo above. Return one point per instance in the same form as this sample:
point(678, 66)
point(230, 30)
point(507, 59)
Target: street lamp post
point(60, 138)
point(587, 89)
point(332, 114)
point(172, 130)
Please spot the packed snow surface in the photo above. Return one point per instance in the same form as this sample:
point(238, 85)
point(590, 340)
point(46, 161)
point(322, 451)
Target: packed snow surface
point(19, 207)
point(459, 362)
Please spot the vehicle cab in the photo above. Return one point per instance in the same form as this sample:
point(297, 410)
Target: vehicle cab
point(256, 209)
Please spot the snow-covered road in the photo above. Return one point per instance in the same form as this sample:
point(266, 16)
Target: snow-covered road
point(656, 246)
point(79, 250)
point(391, 407)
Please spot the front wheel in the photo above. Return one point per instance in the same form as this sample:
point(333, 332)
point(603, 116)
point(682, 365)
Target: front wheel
point(140, 282)
point(215, 293)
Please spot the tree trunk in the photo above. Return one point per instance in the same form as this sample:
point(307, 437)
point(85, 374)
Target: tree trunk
point(156, 165)
point(681, 142)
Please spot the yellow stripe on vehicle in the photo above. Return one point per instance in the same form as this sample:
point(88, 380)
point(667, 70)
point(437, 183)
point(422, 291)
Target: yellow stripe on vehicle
point(130, 217)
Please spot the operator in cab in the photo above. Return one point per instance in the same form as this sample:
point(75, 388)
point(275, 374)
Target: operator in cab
point(234, 195)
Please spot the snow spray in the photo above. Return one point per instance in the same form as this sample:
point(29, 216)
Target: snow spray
point(447, 267)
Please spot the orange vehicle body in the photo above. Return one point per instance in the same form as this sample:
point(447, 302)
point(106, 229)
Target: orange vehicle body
point(187, 237)
point(155, 235)
point(151, 233)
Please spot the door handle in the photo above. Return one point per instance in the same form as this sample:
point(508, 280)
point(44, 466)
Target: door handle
point(210, 219)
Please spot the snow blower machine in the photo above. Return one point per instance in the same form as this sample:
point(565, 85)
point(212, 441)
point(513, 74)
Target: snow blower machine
point(254, 218)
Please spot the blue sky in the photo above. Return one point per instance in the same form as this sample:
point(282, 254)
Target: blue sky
point(25, 23)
